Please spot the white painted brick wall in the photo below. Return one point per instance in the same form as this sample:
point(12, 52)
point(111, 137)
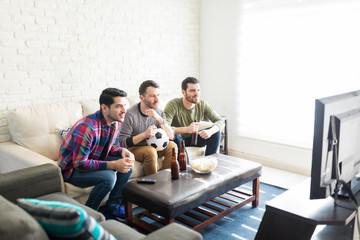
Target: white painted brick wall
point(61, 50)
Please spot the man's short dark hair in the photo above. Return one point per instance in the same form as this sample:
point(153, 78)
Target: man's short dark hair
point(108, 94)
point(188, 80)
point(145, 85)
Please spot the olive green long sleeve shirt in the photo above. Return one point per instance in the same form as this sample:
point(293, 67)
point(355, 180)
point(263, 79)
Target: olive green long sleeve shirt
point(178, 116)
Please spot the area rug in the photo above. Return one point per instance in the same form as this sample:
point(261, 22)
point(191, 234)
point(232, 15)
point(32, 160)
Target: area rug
point(241, 224)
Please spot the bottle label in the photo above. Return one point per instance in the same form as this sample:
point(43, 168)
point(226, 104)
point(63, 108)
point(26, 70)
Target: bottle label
point(182, 161)
point(174, 170)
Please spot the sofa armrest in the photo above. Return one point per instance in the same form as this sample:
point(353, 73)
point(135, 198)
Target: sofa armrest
point(14, 157)
point(30, 182)
point(174, 231)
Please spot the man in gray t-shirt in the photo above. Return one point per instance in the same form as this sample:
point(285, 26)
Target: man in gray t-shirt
point(140, 123)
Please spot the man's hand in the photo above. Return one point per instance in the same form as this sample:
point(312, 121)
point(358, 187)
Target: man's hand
point(153, 114)
point(204, 134)
point(193, 127)
point(127, 154)
point(122, 165)
point(150, 132)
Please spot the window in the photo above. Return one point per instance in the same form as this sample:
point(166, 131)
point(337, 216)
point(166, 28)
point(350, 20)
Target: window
point(292, 52)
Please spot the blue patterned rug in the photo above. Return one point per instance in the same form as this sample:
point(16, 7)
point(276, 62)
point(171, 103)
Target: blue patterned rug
point(243, 223)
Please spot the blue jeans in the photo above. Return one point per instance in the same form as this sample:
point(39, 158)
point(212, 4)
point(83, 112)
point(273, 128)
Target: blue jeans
point(104, 181)
point(212, 143)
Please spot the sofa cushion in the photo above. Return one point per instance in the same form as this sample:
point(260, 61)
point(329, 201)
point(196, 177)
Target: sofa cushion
point(64, 220)
point(62, 197)
point(174, 231)
point(34, 127)
point(122, 231)
point(15, 223)
point(64, 132)
point(89, 106)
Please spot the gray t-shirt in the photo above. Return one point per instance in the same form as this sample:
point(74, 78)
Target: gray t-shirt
point(135, 123)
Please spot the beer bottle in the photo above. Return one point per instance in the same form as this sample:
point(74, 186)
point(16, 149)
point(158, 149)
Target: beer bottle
point(194, 137)
point(174, 165)
point(182, 156)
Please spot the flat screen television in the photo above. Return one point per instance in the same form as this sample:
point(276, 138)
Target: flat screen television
point(336, 145)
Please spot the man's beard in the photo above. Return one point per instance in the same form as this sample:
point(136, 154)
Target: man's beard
point(150, 105)
point(115, 118)
point(190, 100)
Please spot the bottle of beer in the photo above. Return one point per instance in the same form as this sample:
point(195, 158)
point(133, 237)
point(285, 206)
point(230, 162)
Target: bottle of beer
point(174, 165)
point(194, 137)
point(182, 156)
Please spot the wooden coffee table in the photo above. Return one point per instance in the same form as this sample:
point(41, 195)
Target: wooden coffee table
point(203, 199)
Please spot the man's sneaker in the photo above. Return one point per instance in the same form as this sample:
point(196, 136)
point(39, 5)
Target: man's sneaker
point(117, 213)
point(112, 217)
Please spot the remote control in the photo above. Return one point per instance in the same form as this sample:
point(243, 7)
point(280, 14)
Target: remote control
point(146, 180)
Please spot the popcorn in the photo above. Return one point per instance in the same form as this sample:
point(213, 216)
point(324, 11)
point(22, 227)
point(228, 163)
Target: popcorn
point(203, 164)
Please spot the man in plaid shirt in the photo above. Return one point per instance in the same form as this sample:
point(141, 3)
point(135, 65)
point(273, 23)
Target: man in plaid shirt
point(90, 154)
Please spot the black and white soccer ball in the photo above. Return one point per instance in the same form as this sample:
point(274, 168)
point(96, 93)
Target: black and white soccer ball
point(159, 141)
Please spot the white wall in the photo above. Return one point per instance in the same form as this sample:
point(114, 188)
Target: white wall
point(219, 74)
point(219, 56)
point(59, 50)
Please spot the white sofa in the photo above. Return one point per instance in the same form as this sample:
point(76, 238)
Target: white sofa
point(35, 139)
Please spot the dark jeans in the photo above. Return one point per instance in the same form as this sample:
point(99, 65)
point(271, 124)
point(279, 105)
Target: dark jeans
point(104, 181)
point(212, 143)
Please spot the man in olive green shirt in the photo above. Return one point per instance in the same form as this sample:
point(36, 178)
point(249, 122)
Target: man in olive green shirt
point(184, 115)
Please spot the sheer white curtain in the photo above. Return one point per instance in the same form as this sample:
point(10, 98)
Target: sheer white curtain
point(292, 52)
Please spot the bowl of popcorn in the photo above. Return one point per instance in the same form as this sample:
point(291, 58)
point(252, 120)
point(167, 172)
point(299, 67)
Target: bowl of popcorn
point(203, 165)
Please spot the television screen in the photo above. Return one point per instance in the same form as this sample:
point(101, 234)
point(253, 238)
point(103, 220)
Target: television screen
point(336, 145)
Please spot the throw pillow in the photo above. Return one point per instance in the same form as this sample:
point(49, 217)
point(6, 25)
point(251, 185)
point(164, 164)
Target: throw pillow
point(63, 132)
point(64, 220)
point(15, 223)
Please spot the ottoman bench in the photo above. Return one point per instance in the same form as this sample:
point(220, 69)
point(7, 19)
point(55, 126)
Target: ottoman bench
point(167, 199)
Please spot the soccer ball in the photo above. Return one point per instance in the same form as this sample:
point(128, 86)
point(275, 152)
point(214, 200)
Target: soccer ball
point(159, 141)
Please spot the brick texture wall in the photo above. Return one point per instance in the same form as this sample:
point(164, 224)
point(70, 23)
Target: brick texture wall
point(61, 50)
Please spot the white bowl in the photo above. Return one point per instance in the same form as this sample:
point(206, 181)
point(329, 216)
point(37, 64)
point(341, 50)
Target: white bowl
point(203, 165)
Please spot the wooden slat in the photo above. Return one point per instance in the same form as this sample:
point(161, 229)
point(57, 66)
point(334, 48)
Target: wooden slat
point(238, 194)
point(213, 207)
point(242, 191)
point(230, 199)
point(221, 202)
point(185, 221)
point(204, 211)
point(197, 217)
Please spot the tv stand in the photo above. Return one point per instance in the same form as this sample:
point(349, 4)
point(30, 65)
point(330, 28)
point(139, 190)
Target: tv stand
point(354, 185)
point(293, 215)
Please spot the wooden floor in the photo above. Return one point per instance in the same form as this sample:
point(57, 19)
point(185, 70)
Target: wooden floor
point(281, 178)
